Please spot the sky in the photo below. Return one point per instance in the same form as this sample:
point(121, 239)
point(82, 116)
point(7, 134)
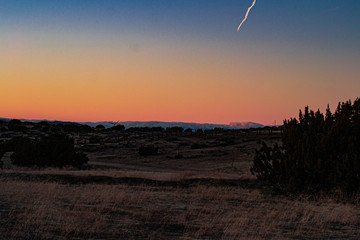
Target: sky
point(178, 60)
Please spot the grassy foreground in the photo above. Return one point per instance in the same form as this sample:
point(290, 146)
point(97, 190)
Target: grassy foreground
point(115, 204)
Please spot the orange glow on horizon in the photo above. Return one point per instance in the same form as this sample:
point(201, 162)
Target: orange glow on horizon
point(86, 83)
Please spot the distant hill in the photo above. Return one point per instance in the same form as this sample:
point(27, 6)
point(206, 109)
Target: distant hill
point(243, 125)
point(150, 124)
point(43, 120)
point(185, 125)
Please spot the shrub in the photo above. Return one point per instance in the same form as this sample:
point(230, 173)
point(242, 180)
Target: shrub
point(16, 125)
point(157, 129)
point(118, 127)
point(318, 152)
point(52, 151)
point(148, 150)
point(188, 131)
point(266, 163)
point(100, 127)
point(85, 128)
point(175, 130)
point(72, 127)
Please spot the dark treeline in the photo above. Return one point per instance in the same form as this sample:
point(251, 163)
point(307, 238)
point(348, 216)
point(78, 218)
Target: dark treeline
point(55, 150)
point(56, 144)
point(318, 152)
point(16, 125)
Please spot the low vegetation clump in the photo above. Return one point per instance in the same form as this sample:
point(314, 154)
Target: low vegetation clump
point(148, 150)
point(118, 127)
point(50, 151)
point(317, 153)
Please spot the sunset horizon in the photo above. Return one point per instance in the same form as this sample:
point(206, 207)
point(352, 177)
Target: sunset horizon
point(143, 121)
point(176, 61)
point(179, 119)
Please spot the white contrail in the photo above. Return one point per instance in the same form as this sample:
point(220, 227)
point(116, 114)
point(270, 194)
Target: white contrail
point(246, 15)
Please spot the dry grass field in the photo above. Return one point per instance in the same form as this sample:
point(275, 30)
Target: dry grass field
point(113, 204)
point(207, 193)
point(215, 152)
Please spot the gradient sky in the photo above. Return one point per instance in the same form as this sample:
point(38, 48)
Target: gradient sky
point(176, 60)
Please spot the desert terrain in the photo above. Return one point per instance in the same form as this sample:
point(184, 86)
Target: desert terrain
point(197, 185)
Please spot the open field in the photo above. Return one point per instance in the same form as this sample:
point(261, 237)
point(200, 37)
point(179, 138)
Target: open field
point(111, 204)
point(198, 186)
point(211, 150)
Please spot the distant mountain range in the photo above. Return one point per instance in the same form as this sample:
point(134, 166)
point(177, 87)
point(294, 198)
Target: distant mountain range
point(245, 125)
point(185, 125)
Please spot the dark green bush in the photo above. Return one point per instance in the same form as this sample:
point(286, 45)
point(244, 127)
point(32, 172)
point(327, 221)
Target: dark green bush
point(318, 152)
point(49, 151)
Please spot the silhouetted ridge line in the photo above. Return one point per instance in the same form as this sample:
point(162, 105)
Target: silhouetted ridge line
point(150, 124)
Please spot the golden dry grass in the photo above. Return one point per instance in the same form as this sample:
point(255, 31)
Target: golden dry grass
point(45, 210)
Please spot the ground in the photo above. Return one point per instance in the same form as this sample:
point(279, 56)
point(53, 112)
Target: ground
point(198, 186)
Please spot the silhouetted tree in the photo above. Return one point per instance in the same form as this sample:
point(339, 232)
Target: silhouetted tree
point(188, 131)
point(85, 128)
point(15, 122)
point(318, 152)
point(118, 127)
point(53, 150)
point(176, 130)
point(16, 125)
point(71, 127)
point(100, 127)
point(157, 129)
point(45, 123)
